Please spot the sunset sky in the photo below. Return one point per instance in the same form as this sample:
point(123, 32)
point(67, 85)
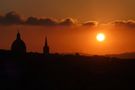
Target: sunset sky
point(70, 25)
point(99, 10)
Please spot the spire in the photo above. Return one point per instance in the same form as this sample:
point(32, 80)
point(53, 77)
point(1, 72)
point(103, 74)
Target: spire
point(46, 44)
point(18, 35)
point(46, 47)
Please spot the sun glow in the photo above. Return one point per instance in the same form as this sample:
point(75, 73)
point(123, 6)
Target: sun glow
point(100, 37)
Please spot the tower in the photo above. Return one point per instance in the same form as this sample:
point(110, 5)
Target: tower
point(18, 46)
point(46, 47)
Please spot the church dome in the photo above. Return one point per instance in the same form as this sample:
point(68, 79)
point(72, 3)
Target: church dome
point(18, 46)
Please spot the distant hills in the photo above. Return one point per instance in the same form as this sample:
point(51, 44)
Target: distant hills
point(128, 55)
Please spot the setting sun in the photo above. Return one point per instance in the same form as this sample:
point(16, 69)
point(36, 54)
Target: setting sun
point(100, 37)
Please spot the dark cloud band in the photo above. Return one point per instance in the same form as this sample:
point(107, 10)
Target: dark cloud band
point(12, 18)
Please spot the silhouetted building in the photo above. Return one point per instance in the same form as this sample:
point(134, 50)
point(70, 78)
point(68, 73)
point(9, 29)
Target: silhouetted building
point(46, 47)
point(18, 46)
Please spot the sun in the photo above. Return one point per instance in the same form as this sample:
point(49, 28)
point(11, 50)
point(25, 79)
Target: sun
point(100, 37)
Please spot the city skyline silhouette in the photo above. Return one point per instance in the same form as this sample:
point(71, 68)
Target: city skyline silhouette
point(67, 44)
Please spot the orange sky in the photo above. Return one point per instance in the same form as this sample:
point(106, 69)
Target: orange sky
point(64, 23)
point(71, 39)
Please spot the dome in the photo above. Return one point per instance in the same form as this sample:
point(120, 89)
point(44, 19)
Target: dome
point(18, 46)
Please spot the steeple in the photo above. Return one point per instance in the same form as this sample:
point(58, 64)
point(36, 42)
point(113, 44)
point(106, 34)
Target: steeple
point(46, 47)
point(46, 44)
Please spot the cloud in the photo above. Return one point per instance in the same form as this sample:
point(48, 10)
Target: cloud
point(1, 18)
point(10, 18)
point(67, 22)
point(41, 21)
point(125, 24)
point(90, 23)
point(31, 21)
point(13, 18)
point(49, 22)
